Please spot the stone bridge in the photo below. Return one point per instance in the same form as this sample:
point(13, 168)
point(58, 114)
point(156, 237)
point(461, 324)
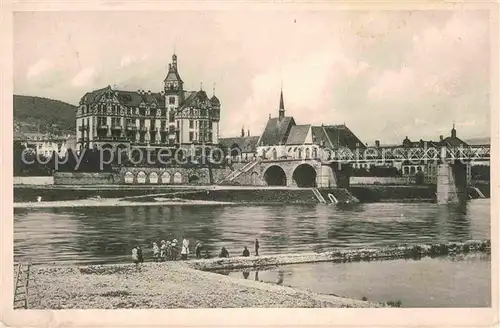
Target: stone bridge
point(293, 173)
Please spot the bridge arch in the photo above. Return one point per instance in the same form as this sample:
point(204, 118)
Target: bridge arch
point(275, 176)
point(304, 176)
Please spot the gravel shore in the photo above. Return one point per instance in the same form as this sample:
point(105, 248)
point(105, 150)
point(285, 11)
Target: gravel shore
point(164, 285)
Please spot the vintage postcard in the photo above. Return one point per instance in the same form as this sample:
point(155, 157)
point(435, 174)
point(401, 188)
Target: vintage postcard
point(256, 163)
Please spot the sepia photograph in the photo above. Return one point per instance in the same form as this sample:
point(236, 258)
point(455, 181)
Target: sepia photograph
point(180, 159)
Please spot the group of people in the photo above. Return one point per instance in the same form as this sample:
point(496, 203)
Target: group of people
point(169, 251)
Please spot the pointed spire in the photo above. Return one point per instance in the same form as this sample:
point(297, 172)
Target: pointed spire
point(243, 131)
point(201, 86)
point(248, 133)
point(282, 104)
point(453, 131)
point(213, 90)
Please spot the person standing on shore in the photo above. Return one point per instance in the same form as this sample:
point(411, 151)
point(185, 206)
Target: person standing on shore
point(163, 250)
point(185, 249)
point(135, 258)
point(156, 252)
point(169, 250)
point(174, 250)
point(224, 252)
point(140, 258)
point(198, 250)
point(257, 247)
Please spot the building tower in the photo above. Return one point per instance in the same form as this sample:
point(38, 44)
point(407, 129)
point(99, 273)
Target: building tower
point(282, 106)
point(453, 131)
point(173, 85)
point(174, 97)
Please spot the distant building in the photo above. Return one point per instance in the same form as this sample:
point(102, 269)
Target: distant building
point(43, 143)
point(173, 117)
point(242, 148)
point(430, 169)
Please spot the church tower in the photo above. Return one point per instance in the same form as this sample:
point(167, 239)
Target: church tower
point(173, 85)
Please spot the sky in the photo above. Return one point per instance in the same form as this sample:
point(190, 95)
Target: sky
point(385, 74)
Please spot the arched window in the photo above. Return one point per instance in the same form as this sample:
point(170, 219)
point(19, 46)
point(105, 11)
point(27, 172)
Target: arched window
point(315, 153)
point(406, 170)
point(177, 177)
point(165, 177)
point(153, 177)
point(275, 153)
point(141, 177)
point(412, 170)
point(129, 177)
point(300, 152)
point(308, 153)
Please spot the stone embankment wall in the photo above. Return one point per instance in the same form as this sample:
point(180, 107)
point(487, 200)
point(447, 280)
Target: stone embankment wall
point(349, 255)
point(377, 193)
point(39, 181)
point(83, 178)
point(379, 180)
point(144, 176)
point(280, 196)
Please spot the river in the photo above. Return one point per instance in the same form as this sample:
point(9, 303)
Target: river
point(96, 235)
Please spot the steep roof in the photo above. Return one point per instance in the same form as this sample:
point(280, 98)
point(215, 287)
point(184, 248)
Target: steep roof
point(126, 98)
point(246, 144)
point(214, 100)
point(276, 131)
point(298, 134)
point(342, 136)
point(453, 142)
point(172, 75)
point(320, 137)
point(191, 96)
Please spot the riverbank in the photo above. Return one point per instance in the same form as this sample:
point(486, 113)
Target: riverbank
point(113, 202)
point(165, 285)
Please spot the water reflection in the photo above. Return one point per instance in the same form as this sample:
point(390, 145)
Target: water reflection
point(107, 234)
point(438, 282)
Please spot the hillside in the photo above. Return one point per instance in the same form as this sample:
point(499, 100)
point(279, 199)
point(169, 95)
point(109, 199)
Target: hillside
point(478, 141)
point(33, 114)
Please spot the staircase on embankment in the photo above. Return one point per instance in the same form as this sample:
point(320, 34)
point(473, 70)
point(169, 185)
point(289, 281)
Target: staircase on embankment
point(235, 174)
point(318, 195)
point(478, 192)
point(337, 196)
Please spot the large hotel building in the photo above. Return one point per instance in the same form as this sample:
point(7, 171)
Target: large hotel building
point(173, 117)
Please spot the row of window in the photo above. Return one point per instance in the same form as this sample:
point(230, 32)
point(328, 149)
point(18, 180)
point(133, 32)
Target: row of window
point(299, 153)
point(201, 124)
point(202, 136)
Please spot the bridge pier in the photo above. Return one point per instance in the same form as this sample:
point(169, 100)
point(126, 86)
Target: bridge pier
point(452, 182)
point(334, 175)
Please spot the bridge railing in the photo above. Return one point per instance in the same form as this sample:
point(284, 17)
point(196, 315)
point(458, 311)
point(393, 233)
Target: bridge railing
point(417, 154)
